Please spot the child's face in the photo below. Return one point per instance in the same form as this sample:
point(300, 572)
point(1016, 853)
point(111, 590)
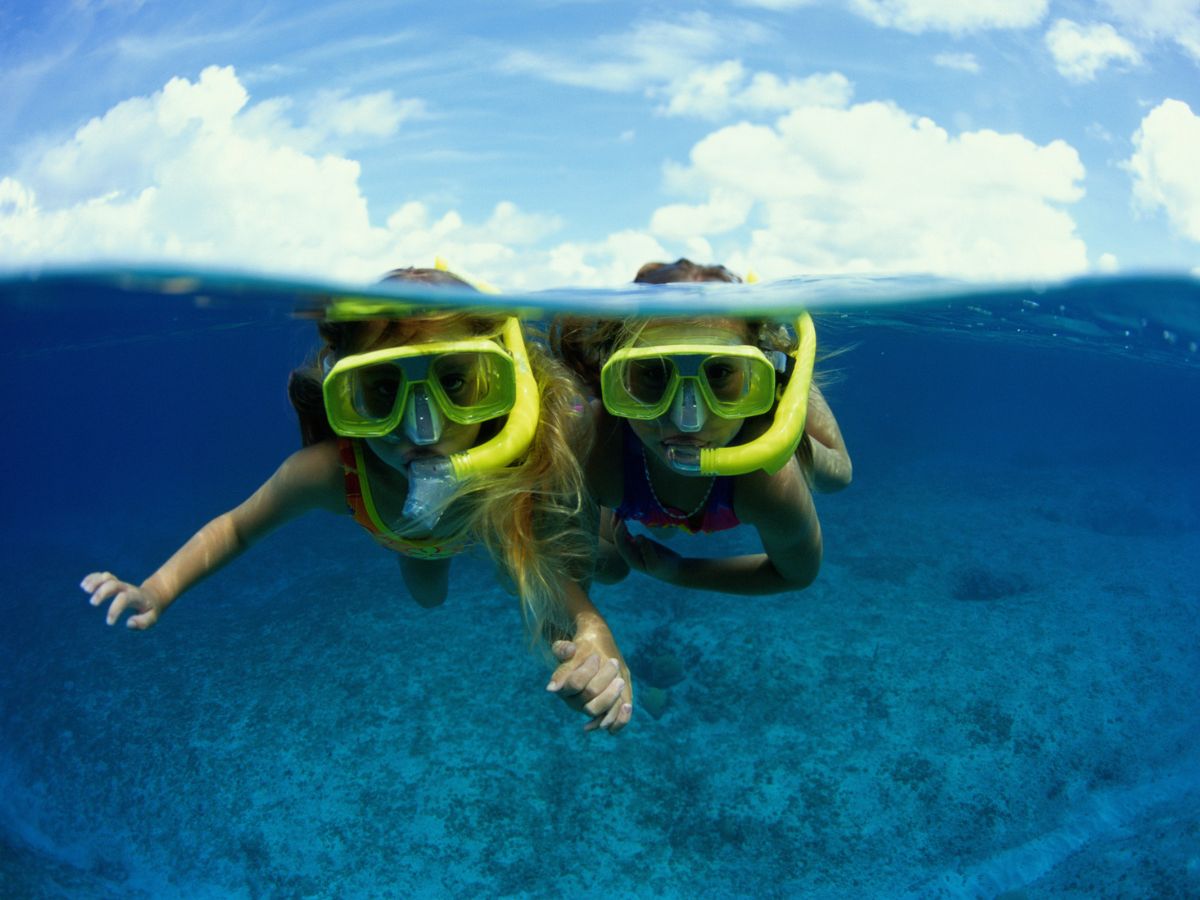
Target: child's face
point(398, 449)
point(663, 437)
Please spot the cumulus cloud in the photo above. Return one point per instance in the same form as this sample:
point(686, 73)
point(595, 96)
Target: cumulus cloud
point(1163, 165)
point(196, 174)
point(714, 92)
point(613, 260)
point(1081, 51)
point(953, 16)
point(874, 188)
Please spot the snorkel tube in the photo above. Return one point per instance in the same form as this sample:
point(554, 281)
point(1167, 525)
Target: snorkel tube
point(772, 449)
point(432, 482)
point(517, 434)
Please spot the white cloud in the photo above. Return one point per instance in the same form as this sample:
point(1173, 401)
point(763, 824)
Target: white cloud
point(379, 114)
point(1080, 51)
point(874, 188)
point(963, 62)
point(650, 54)
point(672, 61)
point(725, 210)
point(714, 92)
point(1108, 264)
point(1163, 165)
point(614, 260)
point(195, 174)
point(954, 16)
point(1161, 20)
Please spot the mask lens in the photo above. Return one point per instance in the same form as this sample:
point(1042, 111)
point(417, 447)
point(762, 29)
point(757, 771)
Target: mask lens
point(375, 391)
point(646, 380)
point(473, 384)
point(728, 377)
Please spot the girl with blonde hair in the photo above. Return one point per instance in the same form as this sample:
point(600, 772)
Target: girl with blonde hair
point(434, 431)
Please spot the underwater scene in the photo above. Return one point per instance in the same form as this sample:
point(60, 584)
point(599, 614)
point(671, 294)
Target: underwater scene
point(991, 689)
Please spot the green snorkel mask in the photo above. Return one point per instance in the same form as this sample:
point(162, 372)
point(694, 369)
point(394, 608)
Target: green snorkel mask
point(730, 382)
point(375, 394)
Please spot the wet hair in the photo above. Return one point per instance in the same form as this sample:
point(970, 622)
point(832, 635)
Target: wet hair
point(584, 344)
point(682, 270)
point(532, 516)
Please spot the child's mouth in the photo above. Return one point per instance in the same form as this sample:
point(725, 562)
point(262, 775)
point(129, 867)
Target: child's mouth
point(683, 455)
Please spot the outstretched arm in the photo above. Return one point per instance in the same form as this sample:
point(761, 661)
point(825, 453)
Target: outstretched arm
point(307, 479)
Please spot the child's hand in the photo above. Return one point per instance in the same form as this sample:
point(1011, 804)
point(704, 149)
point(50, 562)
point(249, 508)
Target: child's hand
point(105, 585)
point(646, 555)
point(593, 679)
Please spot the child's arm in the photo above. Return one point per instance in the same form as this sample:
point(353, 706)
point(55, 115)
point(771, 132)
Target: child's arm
point(831, 466)
point(307, 479)
point(780, 506)
point(593, 676)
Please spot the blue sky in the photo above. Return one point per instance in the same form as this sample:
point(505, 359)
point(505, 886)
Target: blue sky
point(539, 144)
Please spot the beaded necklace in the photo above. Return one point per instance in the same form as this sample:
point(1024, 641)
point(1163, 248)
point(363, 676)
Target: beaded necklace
point(666, 511)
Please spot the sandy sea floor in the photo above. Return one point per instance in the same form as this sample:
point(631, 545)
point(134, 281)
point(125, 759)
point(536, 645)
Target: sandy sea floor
point(991, 690)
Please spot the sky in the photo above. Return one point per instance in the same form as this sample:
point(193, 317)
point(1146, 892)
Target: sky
point(535, 143)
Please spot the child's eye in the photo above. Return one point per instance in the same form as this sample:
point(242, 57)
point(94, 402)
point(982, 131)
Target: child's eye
point(377, 394)
point(647, 378)
point(453, 383)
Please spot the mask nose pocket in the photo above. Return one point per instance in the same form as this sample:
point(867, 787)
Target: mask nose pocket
point(687, 409)
point(422, 418)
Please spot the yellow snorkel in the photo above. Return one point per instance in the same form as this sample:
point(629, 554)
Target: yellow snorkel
point(774, 447)
point(517, 434)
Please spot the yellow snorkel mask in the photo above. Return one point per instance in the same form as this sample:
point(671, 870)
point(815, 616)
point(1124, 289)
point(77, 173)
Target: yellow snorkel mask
point(415, 387)
point(731, 382)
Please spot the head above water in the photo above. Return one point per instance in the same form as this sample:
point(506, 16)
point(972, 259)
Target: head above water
point(683, 270)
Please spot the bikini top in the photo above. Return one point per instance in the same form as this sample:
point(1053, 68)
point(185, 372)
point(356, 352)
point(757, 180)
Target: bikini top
point(358, 498)
point(638, 501)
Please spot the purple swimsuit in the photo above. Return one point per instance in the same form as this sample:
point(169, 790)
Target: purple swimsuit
point(639, 503)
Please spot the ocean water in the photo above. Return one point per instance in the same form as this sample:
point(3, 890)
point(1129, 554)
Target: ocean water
point(992, 689)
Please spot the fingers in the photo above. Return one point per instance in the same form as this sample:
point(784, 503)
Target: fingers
point(563, 651)
point(122, 600)
point(606, 699)
point(142, 621)
point(613, 721)
point(95, 579)
point(105, 586)
point(616, 718)
point(570, 680)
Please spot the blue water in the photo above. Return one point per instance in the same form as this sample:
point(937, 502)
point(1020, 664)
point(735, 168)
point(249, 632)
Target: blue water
point(991, 688)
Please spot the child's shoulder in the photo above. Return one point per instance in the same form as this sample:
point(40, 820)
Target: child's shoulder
point(317, 470)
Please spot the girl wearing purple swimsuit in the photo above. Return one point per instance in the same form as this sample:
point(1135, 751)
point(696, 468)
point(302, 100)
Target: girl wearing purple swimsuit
point(673, 392)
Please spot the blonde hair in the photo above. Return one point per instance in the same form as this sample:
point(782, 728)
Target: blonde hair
point(536, 518)
point(533, 516)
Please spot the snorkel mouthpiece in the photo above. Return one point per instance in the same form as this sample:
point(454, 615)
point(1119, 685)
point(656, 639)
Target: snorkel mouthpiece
point(422, 418)
point(684, 459)
point(688, 412)
point(431, 487)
